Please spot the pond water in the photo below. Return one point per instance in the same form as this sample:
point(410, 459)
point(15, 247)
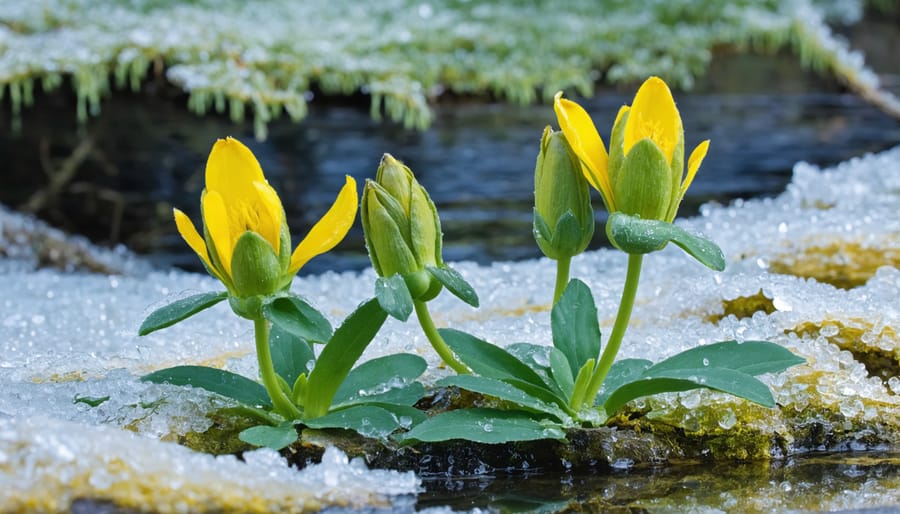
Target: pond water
point(145, 154)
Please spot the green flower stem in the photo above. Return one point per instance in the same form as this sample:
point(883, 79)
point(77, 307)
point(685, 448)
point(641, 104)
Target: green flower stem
point(280, 400)
point(629, 291)
point(562, 277)
point(437, 342)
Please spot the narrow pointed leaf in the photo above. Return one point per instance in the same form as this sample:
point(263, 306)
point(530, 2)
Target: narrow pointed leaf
point(367, 420)
point(276, 437)
point(622, 372)
point(295, 315)
point(388, 379)
point(393, 296)
point(750, 357)
point(503, 391)
point(480, 425)
point(718, 379)
point(179, 310)
point(218, 381)
point(576, 332)
point(340, 354)
point(637, 236)
point(290, 354)
point(455, 283)
point(487, 359)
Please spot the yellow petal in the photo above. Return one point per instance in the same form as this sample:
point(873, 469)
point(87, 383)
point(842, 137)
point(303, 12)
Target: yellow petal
point(330, 229)
point(694, 164)
point(215, 216)
point(231, 169)
point(193, 238)
point(654, 116)
point(585, 141)
point(271, 214)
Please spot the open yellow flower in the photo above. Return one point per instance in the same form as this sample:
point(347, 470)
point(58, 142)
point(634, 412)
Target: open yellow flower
point(246, 241)
point(643, 173)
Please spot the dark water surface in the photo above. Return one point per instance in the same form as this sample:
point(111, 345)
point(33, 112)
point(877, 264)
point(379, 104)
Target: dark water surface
point(117, 178)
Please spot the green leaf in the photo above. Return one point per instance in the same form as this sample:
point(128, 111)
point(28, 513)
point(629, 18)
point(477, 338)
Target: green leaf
point(455, 283)
point(637, 236)
point(620, 373)
point(290, 354)
point(92, 401)
point(750, 357)
point(576, 332)
point(218, 381)
point(491, 426)
point(394, 297)
point(407, 415)
point(503, 391)
point(561, 373)
point(388, 379)
point(671, 380)
point(295, 315)
point(340, 354)
point(276, 437)
point(488, 360)
point(179, 310)
point(369, 420)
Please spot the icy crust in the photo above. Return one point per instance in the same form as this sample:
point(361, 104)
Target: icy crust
point(64, 462)
point(69, 349)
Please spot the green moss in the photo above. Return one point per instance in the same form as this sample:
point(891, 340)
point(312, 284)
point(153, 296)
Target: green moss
point(266, 59)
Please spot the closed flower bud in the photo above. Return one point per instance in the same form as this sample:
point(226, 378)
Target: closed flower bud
point(402, 229)
point(563, 217)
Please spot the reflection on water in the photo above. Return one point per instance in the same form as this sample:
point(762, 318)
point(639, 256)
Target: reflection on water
point(117, 179)
point(809, 484)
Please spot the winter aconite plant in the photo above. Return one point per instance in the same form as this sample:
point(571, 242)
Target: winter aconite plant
point(642, 181)
point(530, 391)
point(247, 246)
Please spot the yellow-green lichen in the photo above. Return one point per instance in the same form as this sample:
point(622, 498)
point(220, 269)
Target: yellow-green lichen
point(877, 348)
point(744, 307)
point(843, 264)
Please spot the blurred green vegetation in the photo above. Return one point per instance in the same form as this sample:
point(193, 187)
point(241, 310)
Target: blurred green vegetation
point(267, 58)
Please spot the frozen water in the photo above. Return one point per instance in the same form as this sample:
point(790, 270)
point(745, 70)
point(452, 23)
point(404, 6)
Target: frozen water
point(70, 339)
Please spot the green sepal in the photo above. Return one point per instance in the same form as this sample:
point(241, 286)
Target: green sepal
point(394, 297)
point(543, 236)
point(296, 316)
point(489, 426)
point(388, 244)
point(340, 354)
point(638, 236)
point(643, 186)
point(255, 268)
point(219, 381)
point(277, 437)
point(455, 283)
point(179, 310)
point(425, 227)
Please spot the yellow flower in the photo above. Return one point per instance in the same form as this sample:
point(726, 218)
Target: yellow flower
point(643, 173)
point(246, 241)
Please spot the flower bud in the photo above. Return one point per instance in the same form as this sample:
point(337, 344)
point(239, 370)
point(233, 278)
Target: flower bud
point(402, 229)
point(563, 216)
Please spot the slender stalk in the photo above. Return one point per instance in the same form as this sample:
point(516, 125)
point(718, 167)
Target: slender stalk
point(437, 342)
point(632, 276)
point(280, 400)
point(562, 277)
